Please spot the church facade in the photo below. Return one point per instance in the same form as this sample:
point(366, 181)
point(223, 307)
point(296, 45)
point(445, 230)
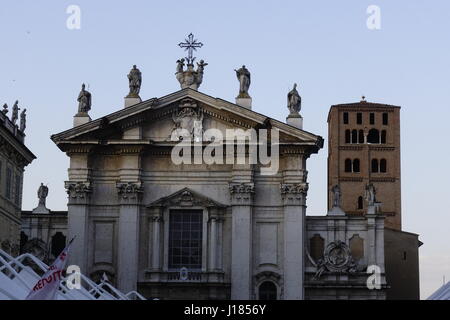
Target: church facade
point(225, 228)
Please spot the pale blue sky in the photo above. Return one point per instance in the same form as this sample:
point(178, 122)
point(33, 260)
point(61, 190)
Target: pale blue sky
point(324, 46)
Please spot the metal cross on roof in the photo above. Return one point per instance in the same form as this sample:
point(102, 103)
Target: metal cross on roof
point(190, 46)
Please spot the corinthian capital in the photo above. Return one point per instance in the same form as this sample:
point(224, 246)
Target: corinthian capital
point(294, 193)
point(242, 193)
point(78, 189)
point(129, 190)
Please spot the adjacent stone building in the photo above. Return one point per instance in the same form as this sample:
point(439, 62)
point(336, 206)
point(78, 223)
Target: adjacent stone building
point(14, 157)
point(364, 148)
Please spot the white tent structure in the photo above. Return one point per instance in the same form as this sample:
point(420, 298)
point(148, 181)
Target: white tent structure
point(17, 278)
point(443, 293)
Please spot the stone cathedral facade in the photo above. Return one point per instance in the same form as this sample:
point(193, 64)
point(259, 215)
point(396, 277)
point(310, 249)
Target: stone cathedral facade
point(221, 230)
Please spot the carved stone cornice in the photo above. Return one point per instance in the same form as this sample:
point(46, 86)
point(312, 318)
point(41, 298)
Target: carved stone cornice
point(12, 153)
point(78, 190)
point(242, 193)
point(77, 149)
point(129, 190)
point(294, 193)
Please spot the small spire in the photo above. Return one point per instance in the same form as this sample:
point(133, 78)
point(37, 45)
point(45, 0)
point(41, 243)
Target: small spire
point(363, 99)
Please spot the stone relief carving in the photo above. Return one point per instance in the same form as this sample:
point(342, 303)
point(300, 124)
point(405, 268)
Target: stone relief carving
point(336, 258)
point(188, 122)
point(129, 190)
point(78, 189)
point(186, 198)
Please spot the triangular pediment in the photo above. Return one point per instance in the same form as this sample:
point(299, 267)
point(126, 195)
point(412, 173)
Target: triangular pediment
point(155, 119)
point(186, 198)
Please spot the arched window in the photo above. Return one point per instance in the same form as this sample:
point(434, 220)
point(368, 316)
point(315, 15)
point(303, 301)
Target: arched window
point(383, 165)
point(316, 246)
point(373, 136)
point(58, 243)
point(383, 136)
point(267, 291)
point(361, 136)
point(347, 136)
point(348, 165)
point(375, 165)
point(360, 203)
point(354, 136)
point(356, 165)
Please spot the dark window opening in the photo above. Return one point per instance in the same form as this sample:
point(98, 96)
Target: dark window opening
point(23, 241)
point(372, 118)
point(58, 243)
point(354, 136)
point(383, 165)
point(347, 136)
point(359, 118)
point(374, 165)
point(17, 188)
point(385, 118)
point(356, 165)
point(345, 117)
point(185, 239)
point(361, 136)
point(383, 136)
point(348, 165)
point(373, 136)
point(360, 203)
point(267, 291)
point(8, 183)
point(404, 255)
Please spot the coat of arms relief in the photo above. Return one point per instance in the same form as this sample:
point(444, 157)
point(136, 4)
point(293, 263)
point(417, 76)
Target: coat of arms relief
point(188, 122)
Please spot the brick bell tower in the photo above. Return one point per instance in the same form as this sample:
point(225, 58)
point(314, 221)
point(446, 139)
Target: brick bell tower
point(364, 147)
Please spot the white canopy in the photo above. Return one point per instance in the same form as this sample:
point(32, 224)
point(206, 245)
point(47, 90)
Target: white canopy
point(17, 279)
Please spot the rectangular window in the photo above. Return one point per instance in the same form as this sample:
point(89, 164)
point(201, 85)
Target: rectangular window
point(385, 119)
point(345, 117)
point(185, 239)
point(8, 183)
point(17, 190)
point(359, 118)
point(372, 118)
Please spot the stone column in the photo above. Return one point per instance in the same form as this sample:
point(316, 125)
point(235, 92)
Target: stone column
point(241, 240)
point(156, 241)
point(294, 202)
point(128, 244)
point(78, 222)
point(213, 244)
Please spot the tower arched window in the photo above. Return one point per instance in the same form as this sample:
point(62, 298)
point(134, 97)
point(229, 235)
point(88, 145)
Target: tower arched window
point(360, 203)
point(356, 167)
point(347, 136)
point(348, 165)
point(375, 165)
point(354, 136)
point(361, 136)
point(383, 136)
point(373, 136)
point(383, 165)
point(267, 291)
